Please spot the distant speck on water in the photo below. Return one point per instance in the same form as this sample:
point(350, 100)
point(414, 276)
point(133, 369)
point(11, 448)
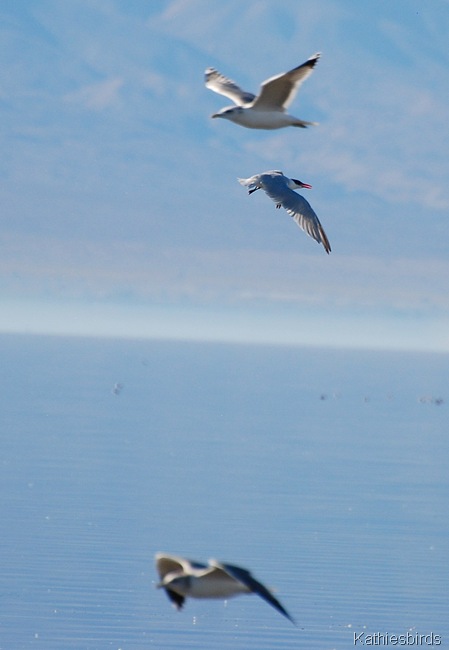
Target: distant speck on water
point(428, 399)
point(117, 389)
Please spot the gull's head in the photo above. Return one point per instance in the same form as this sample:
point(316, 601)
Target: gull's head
point(294, 184)
point(229, 113)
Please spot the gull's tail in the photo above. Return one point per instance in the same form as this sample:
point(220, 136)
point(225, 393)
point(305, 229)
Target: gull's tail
point(250, 183)
point(302, 124)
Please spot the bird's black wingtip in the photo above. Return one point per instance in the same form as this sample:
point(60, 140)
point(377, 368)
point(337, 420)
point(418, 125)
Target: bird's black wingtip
point(284, 612)
point(313, 60)
point(176, 599)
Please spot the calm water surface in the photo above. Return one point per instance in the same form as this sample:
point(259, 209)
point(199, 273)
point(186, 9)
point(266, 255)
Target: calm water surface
point(324, 472)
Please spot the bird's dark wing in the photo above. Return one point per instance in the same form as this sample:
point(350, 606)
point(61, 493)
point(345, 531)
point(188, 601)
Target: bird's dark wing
point(176, 599)
point(166, 563)
point(255, 586)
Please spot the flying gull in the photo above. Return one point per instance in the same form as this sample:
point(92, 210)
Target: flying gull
point(182, 578)
point(267, 109)
point(280, 189)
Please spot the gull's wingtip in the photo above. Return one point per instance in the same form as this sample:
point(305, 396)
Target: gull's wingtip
point(312, 60)
point(160, 555)
point(209, 72)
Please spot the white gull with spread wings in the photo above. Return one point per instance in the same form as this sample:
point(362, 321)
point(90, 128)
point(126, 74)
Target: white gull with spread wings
point(267, 110)
point(182, 578)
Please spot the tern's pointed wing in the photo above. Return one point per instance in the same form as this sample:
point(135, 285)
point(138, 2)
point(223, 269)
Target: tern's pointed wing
point(305, 217)
point(245, 577)
point(297, 207)
point(278, 92)
point(224, 86)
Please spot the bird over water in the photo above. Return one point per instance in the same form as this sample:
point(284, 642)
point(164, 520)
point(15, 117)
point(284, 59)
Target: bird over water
point(267, 110)
point(280, 189)
point(182, 578)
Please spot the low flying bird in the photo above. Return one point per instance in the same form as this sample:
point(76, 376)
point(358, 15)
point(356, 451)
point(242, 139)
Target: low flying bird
point(280, 189)
point(267, 110)
point(182, 578)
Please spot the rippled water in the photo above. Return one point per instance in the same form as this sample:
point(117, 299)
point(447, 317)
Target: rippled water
point(324, 472)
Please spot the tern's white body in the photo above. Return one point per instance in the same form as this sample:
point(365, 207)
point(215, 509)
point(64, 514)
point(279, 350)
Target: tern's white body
point(280, 189)
point(268, 109)
point(182, 578)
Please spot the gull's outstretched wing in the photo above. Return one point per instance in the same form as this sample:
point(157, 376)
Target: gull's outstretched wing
point(220, 84)
point(278, 92)
point(246, 578)
point(166, 563)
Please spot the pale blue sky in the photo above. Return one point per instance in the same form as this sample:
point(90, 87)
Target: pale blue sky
point(121, 213)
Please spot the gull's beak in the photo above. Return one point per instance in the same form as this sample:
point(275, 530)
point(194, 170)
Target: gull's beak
point(216, 115)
